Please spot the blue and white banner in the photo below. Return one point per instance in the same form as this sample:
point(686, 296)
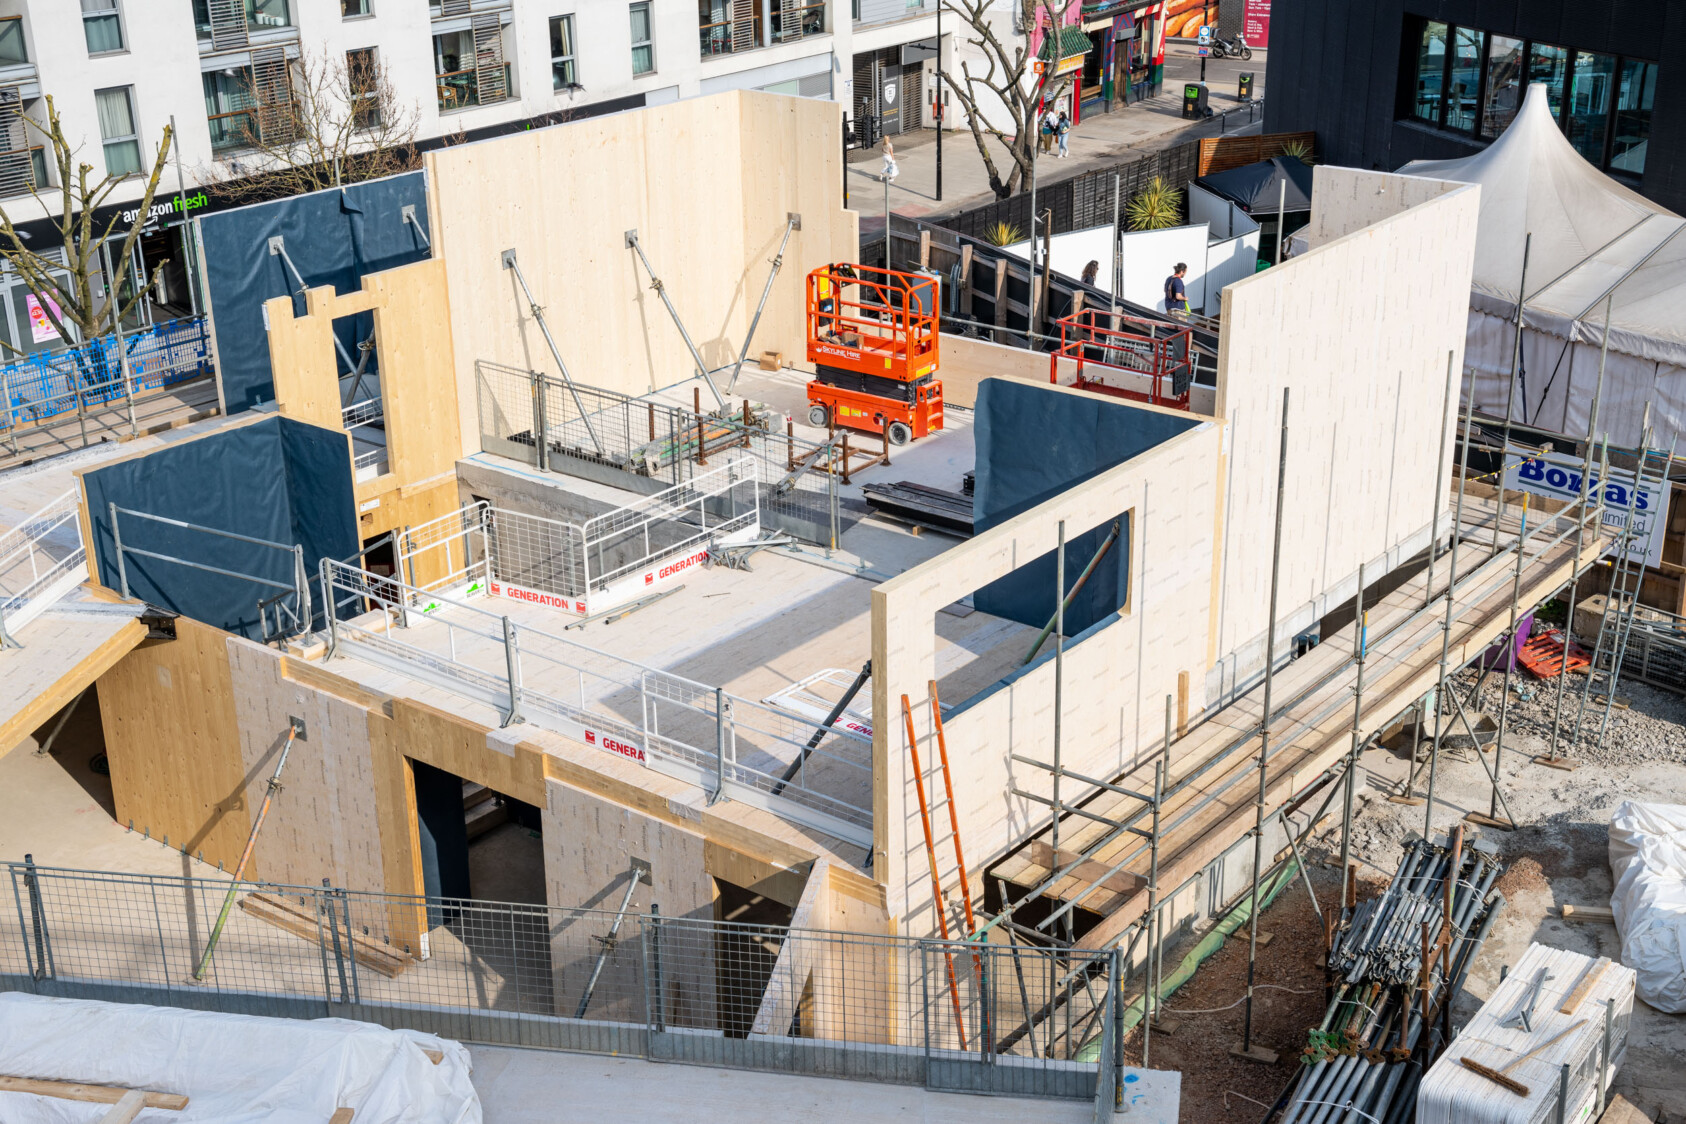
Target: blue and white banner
point(1558, 475)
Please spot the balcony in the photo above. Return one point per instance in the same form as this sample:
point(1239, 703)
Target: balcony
point(232, 130)
point(227, 24)
point(460, 89)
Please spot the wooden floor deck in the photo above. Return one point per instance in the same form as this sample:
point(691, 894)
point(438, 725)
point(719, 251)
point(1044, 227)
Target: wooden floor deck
point(155, 411)
point(1212, 782)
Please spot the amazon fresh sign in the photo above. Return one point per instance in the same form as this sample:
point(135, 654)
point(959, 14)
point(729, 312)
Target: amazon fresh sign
point(1558, 476)
point(167, 208)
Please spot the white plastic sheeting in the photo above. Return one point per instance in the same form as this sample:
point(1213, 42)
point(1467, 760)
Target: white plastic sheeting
point(234, 1069)
point(1648, 859)
point(1591, 237)
point(1451, 1093)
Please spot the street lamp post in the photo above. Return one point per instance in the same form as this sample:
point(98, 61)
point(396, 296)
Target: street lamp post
point(939, 100)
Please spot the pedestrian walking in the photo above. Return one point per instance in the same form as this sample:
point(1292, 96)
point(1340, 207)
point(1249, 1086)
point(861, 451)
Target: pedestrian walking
point(1049, 123)
point(1062, 130)
point(1176, 295)
point(891, 170)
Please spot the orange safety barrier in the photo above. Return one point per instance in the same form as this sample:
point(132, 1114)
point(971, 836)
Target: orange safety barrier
point(1544, 656)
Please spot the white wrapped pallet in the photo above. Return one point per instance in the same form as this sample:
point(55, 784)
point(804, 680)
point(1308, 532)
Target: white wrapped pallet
point(1648, 860)
point(1534, 1056)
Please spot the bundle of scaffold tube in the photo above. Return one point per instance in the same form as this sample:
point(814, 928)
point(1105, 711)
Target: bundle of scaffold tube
point(1395, 961)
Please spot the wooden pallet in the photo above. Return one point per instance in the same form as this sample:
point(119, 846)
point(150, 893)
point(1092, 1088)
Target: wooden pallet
point(1544, 655)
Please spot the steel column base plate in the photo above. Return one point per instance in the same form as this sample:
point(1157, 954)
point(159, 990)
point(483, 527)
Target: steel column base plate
point(1485, 820)
point(1256, 1053)
point(1563, 763)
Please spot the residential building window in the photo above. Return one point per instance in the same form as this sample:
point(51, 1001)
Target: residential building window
point(1591, 85)
point(1475, 82)
point(262, 14)
point(351, 9)
point(362, 85)
point(1431, 71)
point(102, 26)
point(792, 19)
point(118, 133)
point(1499, 105)
point(562, 73)
point(1633, 116)
point(259, 15)
point(643, 45)
point(230, 108)
point(469, 66)
point(13, 51)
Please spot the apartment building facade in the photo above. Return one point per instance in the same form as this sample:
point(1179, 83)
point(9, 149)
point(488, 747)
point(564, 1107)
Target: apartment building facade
point(224, 71)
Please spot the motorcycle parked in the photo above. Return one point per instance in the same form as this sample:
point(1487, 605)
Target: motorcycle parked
point(1231, 48)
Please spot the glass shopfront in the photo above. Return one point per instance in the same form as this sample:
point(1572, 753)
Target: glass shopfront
point(1470, 81)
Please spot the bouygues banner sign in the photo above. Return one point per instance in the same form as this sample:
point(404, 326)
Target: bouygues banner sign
point(1255, 22)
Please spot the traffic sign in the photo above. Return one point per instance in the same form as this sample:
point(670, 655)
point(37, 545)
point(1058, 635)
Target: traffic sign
point(1205, 33)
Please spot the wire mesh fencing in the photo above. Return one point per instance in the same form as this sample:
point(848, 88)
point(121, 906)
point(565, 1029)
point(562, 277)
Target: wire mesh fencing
point(46, 386)
point(952, 1015)
point(646, 445)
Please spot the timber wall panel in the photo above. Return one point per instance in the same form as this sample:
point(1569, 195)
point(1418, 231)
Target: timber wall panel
point(172, 740)
point(1116, 679)
point(1360, 328)
point(325, 822)
point(708, 202)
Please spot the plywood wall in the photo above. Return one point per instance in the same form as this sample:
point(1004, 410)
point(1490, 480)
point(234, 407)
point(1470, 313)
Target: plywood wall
point(706, 182)
point(1116, 680)
point(1360, 330)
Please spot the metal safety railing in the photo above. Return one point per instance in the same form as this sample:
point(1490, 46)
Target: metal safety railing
point(1020, 1019)
point(41, 560)
point(289, 616)
point(732, 747)
point(49, 387)
point(627, 442)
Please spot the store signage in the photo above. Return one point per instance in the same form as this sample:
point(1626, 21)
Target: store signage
point(41, 328)
point(1068, 65)
point(1255, 23)
point(1558, 476)
point(176, 205)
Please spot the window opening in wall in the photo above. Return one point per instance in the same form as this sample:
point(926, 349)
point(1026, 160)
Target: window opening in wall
point(1590, 87)
point(1431, 67)
point(1633, 116)
point(121, 139)
point(794, 19)
point(102, 26)
point(562, 71)
point(1549, 65)
point(351, 9)
point(1505, 89)
point(643, 45)
point(13, 50)
point(229, 106)
point(362, 82)
point(1462, 95)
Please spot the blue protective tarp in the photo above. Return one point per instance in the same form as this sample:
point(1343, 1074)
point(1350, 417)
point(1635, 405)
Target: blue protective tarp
point(333, 237)
point(1034, 443)
point(280, 480)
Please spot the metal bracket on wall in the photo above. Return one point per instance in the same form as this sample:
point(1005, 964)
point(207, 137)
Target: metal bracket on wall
point(661, 291)
point(540, 440)
point(407, 214)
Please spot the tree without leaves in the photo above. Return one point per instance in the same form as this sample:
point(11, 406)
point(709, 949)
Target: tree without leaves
point(68, 300)
point(1001, 77)
point(344, 124)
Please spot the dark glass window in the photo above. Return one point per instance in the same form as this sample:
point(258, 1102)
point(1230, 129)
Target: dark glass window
point(1431, 71)
point(1505, 87)
point(1590, 88)
point(1549, 65)
point(1465, 88)
point(1633, 116)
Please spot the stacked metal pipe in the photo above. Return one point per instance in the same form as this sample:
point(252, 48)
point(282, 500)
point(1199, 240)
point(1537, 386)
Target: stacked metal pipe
point(1380, 1031)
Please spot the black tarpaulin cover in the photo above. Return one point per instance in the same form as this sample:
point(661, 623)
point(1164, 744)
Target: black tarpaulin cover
point(277, 479)
point(333, 237)
point(1254, 187)
point(1034, 443)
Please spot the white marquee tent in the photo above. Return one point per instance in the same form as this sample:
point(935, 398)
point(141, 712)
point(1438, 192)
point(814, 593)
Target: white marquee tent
point(1591, 239)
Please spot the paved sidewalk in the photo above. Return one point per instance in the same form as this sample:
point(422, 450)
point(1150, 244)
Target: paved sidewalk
point(1102, 140)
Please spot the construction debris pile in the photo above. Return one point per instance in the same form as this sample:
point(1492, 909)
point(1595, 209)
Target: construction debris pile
point(1390, 960)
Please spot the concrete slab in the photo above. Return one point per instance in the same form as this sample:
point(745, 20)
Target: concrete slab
point(527, 1087)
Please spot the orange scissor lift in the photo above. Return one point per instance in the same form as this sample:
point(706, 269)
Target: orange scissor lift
point(1126, 357)
point(872, 337)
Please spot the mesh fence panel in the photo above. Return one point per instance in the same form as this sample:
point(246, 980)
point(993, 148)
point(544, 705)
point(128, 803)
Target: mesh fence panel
point(954, 1015)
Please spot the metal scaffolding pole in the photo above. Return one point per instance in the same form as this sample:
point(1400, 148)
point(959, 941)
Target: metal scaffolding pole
point(1510, 398)
point(1439, 482)
point(1446, 625)
point(661, 291)
point(793, 221)
point(1511, 648)
point(1059, 676)
point(1580, 537)
point(1361, 642)
point(1150, 998)
point(1247, 1050)
point(1624, 627)
point(537, 311)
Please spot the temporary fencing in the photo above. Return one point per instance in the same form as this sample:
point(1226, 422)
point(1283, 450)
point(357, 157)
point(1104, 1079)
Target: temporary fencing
point(1024, 1020)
